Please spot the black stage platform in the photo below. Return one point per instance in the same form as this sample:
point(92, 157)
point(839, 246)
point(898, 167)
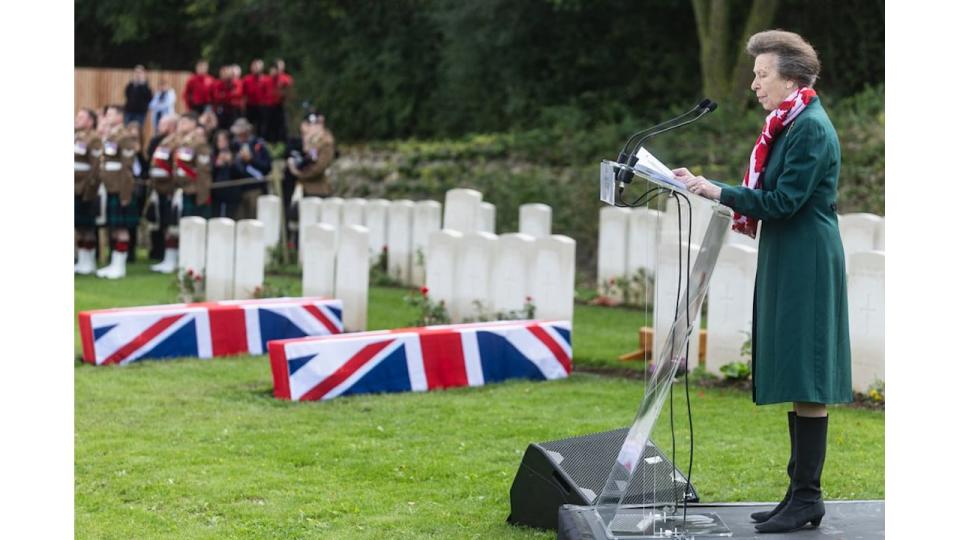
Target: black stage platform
point(845, 520)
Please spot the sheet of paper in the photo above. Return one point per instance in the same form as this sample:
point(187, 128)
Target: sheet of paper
point(655, 169)
point(608, 183)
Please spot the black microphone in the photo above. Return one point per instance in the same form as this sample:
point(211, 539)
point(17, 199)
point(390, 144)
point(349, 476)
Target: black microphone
point(706, 106)
point(629, 159)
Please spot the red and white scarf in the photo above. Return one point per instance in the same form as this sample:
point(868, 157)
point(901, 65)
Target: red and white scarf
point(777, 121)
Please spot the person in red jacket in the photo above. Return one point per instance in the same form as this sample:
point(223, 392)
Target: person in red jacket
point(275, 94)
point(197, 93)
point(252, 95)
point(227, 97)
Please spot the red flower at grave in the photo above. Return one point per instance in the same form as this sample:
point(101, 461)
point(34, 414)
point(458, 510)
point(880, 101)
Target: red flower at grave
point(613, 281)
point(424, 290)
point(529, 299)
point(197, 278)
point(189, 272)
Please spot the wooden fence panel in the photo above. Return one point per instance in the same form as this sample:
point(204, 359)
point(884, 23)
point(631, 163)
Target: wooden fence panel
point(96, 87)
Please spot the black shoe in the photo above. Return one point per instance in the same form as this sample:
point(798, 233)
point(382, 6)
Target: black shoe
point(806, 501)
point(760, 517)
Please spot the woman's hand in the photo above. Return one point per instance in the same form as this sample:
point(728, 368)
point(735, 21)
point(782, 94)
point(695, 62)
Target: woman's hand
point(701, 186)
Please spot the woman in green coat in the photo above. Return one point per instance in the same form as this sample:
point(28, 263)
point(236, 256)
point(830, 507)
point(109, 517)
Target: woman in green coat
point(801, 344)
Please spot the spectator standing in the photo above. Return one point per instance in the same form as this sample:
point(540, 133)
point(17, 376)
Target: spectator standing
point(138, 95)
point(198, 92)
point(276, 92)
point(227, 97)
point(163, 103)
point(251, 160)
point(226, 200)
point(252, 95)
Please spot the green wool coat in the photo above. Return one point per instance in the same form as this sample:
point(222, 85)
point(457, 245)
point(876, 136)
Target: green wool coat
point(801, 342)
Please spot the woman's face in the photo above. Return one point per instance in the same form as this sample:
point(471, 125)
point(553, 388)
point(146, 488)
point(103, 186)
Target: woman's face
point(771, 90)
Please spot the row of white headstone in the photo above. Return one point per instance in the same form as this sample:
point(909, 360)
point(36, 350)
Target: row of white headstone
point(630, 240)
point(229, 255)
point(479, 273)
point(401, 229)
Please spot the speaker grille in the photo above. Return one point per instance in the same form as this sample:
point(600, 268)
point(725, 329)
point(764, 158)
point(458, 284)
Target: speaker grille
point(588, 459)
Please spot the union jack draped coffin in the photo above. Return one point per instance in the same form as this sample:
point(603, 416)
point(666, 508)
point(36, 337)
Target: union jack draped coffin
point(204, 329)
point(419, 359)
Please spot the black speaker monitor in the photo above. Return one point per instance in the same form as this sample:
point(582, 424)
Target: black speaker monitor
point(574, 471)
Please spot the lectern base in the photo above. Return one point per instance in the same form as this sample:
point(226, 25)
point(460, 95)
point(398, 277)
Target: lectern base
point(636, 523)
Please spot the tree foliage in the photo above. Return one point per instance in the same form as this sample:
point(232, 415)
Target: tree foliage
point(430, 68)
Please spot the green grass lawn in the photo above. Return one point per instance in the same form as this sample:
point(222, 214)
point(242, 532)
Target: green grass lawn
point(200, 449)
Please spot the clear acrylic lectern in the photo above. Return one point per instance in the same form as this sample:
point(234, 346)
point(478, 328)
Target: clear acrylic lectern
point(660, 518)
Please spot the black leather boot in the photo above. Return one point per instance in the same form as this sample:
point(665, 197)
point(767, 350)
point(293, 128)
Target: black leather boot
point(806, 503)
point(760, 517)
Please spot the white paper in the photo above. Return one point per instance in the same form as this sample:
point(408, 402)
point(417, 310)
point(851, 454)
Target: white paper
point(653, 168)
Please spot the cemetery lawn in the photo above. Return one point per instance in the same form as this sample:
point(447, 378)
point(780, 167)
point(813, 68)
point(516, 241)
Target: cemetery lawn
point(200, 449)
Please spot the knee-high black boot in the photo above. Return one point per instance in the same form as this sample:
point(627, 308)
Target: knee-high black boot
point(806, 503)
point(760, 517)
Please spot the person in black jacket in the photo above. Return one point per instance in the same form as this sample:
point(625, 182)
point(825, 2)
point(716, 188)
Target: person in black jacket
point(138, 95)
point(226, 200)
point(251, 160)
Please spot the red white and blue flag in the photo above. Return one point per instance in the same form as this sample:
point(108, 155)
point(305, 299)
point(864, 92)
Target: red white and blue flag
point(419, 359)
point(204, 329)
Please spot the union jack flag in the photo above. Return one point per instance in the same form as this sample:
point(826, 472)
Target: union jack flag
point(204, 329)
point(419, 359)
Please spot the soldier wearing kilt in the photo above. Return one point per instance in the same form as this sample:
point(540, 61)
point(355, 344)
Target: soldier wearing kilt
point(86, 165)
point(193, 168)
point(120, 147)
point(164, 184)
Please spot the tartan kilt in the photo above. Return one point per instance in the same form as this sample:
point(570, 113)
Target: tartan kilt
point(119, 216)
point(191, 208)
point(84, 212)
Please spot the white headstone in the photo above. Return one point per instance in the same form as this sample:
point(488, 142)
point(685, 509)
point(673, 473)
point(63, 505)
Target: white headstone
point(221, 242)
point(319, 259)
point(426, 219)
point(375, 219)
point(473, 274)
point(859, 233)
point(353, 276)
point(642, 240)
point(193, 244)
point(400, 240)
point(331, 211)
point(552, 277)
point(268, 213)
point(865, 304)
point(488, 218)
point(611, 248)
point(702, 212)
point(309, 214)
point(353, 211)
point(535, 219)
point(511, 270)
point(443, 250)
point(248, 264)
point(879, 242)
point(730, 306)
point(665, 299)
point(461, 210)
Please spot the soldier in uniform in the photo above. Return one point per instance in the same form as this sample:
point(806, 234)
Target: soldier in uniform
point(86, 165)
point(185, 155)
point(163, 183)
point(319, 151)
point(120, 147)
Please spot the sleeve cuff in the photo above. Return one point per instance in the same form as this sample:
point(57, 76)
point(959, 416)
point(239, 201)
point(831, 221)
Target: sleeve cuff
point(728, 195)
